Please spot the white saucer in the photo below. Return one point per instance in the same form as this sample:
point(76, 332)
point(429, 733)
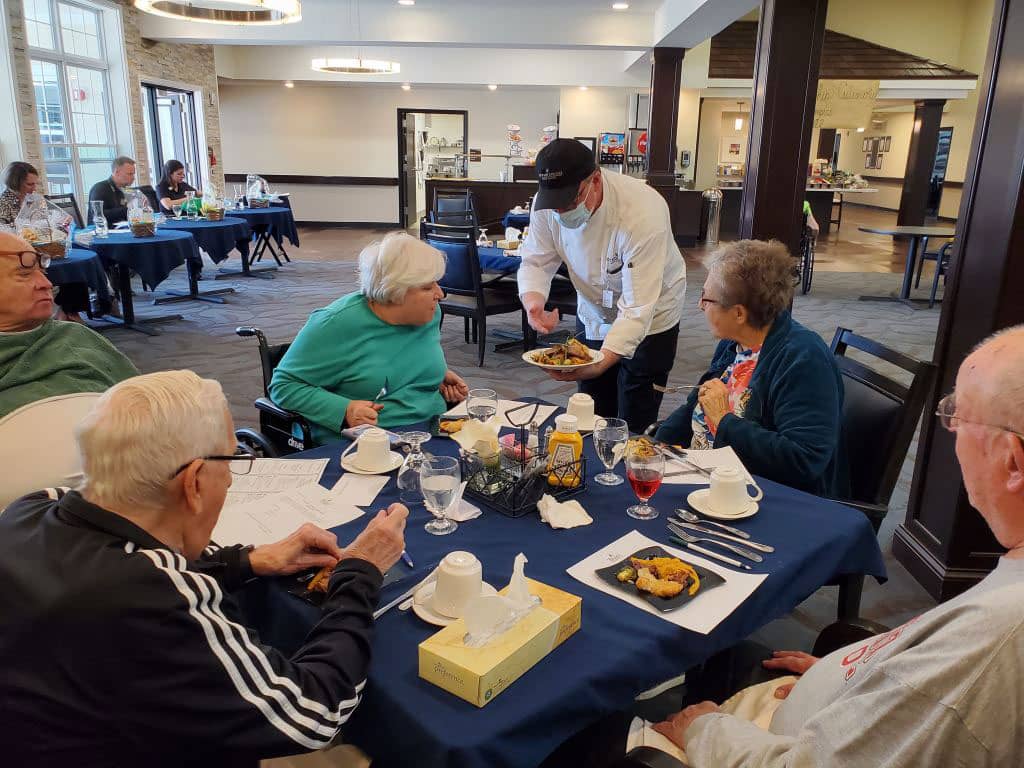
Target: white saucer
point(421, 604)
point(349, 465)
point(699, 501)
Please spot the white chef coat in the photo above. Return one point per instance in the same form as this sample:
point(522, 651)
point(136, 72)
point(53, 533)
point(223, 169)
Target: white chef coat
point(627, 250)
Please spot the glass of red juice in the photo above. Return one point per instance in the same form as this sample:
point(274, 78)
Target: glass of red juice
point(645, 466)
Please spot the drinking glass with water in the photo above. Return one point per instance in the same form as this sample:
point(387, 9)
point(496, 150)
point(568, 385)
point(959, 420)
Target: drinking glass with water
point(482, 404)
point(440, 479)
point(610, 436)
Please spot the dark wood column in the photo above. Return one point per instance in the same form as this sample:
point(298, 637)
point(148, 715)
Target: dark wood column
point(666, 80)
point(924, 140)
point(826, 144)
point(789, 39)
point(945, 543)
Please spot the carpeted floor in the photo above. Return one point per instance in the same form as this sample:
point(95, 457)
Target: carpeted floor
point(205, 341)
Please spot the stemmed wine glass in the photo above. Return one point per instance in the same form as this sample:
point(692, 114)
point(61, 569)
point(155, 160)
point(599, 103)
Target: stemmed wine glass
point(440, 479)
point(645, 467)
point(176, 209)
point(409, 474)
point(610, 436)
point(482, 404)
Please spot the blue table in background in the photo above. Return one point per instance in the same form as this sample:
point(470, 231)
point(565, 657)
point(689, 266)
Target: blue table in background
point(269, 225)
point(217, 238)
point(618, 651)
point(80, 266)
point(152, 259)
point(517, 220)
point(494, 260)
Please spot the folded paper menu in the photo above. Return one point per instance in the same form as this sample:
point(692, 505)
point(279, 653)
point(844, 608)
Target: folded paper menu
point(274, 516)
point(702, 614)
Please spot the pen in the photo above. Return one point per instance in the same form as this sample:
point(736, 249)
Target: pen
point(406, 559)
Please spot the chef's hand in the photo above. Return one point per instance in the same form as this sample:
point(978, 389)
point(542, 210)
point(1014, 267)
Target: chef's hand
point(674, 728)
point(362, 412)
point(589, 371)
point(453, 388)
point(540, 321)
point(308, 547)
point(714, 400)
point(796, 662)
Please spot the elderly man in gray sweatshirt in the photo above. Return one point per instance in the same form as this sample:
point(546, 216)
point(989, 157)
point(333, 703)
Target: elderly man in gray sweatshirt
point(945, 688)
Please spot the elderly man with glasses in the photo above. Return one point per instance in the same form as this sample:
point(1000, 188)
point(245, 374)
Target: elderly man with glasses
point(41, 357)
point(122, 642)
point(944, 688)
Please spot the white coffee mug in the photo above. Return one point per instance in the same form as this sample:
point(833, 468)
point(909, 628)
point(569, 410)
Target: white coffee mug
point(728, 494)
point(373, 450)
point(459, 579)
point(581, 406)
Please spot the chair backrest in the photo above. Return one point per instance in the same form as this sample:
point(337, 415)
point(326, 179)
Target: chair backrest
point(150, 194)
point(67, 204)
point(452, 201)
point(462, 270)
point(270, 354)
point(37, 445)
point(879, 414)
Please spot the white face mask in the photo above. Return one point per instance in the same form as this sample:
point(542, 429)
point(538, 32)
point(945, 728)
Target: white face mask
point(576, 217)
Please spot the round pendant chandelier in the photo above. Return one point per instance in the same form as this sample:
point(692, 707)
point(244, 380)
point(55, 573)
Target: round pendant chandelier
point(225, 11)
point(357, 66)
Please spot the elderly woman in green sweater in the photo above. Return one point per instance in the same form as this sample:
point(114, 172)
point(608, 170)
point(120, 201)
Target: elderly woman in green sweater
point(374, 356)
point(41, 357)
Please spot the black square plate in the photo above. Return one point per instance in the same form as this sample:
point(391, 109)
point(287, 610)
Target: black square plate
point(296, 585)
point(435, 425)
point(708, 580)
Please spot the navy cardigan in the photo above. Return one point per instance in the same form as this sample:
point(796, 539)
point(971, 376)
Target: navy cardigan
point(792, 429)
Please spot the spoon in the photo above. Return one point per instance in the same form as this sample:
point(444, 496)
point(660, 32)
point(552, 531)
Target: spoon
point(690, 517)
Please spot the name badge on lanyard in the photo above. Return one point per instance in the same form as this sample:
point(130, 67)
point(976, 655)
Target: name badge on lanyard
point(607, 299)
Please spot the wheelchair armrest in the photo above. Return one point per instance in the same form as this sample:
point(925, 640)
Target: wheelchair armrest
point(648, 757)
point(652, 429)
point(840, 633)
point(268, 406)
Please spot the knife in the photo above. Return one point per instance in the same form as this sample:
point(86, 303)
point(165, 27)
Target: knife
point(709, 553)
point(728, 528)
point(671, 390)
point(744, 542)
point(432, 576)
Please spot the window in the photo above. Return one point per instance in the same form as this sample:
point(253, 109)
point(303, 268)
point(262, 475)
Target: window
point(71, 84)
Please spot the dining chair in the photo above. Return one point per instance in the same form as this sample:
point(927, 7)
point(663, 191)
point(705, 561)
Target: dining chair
point(454, 207)
point(69, 205)
point(151, 197)
point(926, 255)
point(467, 295)
point(941, 268)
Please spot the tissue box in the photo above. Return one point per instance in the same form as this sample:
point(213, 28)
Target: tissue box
point(479, 674)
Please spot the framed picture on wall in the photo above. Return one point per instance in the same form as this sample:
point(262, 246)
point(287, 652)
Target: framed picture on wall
point(733, 149)
point(590, 142)
point(886, 142)
point(866, 145)
point(878, 162)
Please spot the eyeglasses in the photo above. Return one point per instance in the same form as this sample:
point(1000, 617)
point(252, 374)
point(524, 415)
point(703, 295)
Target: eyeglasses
point(239, 464)
point(949, 420)
point(703, 301)
point(32, 259)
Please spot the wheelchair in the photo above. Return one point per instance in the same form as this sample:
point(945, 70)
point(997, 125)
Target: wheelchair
point(281, 431)
point(807, 244)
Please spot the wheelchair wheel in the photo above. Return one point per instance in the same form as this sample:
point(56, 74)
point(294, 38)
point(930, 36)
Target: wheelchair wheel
point(256, 443)
point(807, 268)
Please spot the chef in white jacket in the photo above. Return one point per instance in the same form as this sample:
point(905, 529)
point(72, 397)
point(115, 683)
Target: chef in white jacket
point(613, 234)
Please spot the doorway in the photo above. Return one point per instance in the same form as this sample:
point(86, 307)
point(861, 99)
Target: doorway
point(938, 177)
point(170, 123)
point(431, 142)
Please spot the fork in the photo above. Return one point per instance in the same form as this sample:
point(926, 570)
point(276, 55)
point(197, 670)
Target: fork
point(383, 391)
point(691, 539)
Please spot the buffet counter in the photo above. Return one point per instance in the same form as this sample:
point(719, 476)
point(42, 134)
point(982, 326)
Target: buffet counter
point(820, 199)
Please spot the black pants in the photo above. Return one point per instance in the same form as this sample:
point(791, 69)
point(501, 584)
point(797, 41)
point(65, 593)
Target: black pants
point(626, 389)
point(73, 297)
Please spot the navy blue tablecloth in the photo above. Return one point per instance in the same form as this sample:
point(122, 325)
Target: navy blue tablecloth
point(517, 220)
point(494, 260)
point(80, 266)
point(151, 258)
point(217, 238)
point(277, 220)
point(618, 652)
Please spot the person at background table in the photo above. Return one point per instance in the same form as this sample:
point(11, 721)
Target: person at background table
point(614, 235)
point(944, 688)
point(118, 587)
point(41, 357)
point(773, 391)
point(20, 180)
point(172, 186)
point(111, 191)
point(388, 333)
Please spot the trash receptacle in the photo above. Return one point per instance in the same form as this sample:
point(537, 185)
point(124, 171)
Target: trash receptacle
point(713, 196)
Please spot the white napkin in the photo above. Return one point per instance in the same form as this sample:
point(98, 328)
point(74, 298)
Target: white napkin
point(474, 431)
point(566, 514)
point(461, 510)
point(512, 234)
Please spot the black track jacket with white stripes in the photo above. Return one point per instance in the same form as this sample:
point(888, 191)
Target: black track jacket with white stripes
point(115, 651)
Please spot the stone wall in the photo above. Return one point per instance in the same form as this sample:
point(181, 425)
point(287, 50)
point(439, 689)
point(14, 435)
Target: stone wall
point(186, 65)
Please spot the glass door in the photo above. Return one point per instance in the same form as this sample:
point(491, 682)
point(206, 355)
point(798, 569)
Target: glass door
point(171, 131)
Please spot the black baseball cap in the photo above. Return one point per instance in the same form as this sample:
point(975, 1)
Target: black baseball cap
point(561, 166)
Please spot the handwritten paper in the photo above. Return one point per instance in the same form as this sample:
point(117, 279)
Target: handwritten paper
point(272, 476)
point(274, 516)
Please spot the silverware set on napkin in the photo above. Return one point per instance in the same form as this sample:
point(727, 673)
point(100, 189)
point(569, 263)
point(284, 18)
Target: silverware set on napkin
point(690, 531)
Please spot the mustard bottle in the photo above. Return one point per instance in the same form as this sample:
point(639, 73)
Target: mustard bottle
point(564, 450)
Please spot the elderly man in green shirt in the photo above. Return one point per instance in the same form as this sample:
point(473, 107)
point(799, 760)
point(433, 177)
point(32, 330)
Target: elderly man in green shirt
point(387, 334)
point(41, 357)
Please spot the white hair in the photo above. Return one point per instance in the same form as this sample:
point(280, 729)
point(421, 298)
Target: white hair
point(142, 429)
point(390, 267)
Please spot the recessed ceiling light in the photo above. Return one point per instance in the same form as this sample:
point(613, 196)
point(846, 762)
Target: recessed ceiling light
point(289, 84)
point(620, 6)
point(406, 87)
point(583, 87)
point(407, 2)
point(860, 130)
point(492, 87)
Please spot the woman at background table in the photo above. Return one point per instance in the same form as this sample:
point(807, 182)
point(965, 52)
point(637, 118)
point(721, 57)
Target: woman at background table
point(172, 186)
point(387, 334)
point(773, 391)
